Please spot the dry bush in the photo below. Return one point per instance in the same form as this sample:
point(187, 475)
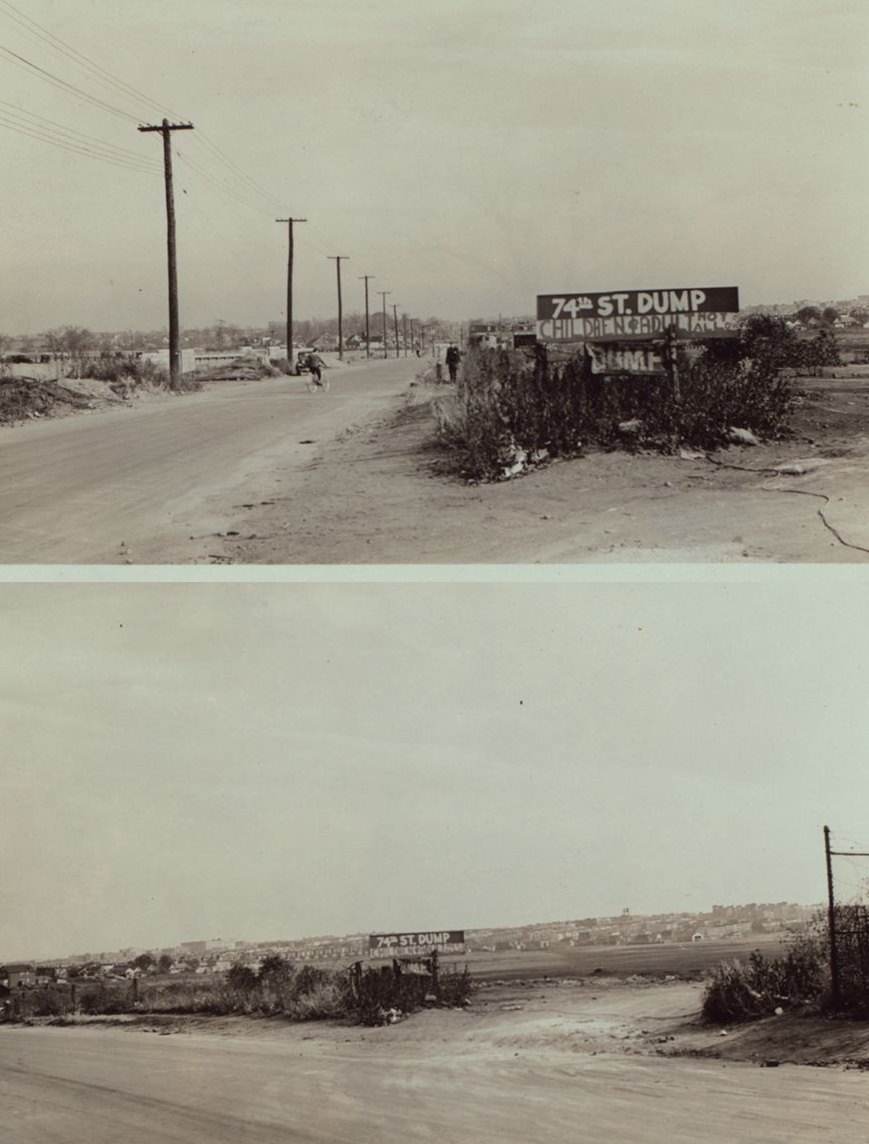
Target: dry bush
point(508, 405)
point(745, 991)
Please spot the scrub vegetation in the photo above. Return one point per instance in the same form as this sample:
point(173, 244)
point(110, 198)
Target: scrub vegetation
point(513, 409)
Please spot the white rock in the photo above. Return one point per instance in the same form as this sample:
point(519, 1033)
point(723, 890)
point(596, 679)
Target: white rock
point(741, 436)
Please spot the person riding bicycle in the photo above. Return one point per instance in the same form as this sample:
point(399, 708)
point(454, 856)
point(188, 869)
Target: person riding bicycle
point(315, 364)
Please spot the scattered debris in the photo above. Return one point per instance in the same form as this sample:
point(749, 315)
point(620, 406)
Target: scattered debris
point(26, 398)
point(792, 469)
point(741, 436)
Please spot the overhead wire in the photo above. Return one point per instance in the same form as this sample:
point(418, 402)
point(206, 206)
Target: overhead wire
point(226, 188)
point(55, 43)
point(237, 184)
point(38, 32)
point(30, 118)
point(56, 81)
point(34, 132)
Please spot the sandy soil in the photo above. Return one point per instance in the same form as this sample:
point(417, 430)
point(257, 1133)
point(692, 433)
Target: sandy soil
point(535, 1061)
point(635, 1016)
point(376, 495)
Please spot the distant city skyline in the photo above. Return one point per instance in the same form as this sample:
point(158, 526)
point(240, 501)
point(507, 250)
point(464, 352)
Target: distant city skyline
point(217, 944)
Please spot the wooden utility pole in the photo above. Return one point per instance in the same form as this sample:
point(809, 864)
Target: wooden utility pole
point(404, 331)
point(831, 919)
point(289, 222)
point(395, 321)
point(166, 128)
point(383, 294)
point(337, 259)
point(835, 974)
point(367, 332)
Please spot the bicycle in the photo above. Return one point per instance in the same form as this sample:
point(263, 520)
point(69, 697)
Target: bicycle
point(317, 385)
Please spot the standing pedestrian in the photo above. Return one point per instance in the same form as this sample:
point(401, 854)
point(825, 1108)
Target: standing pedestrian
point(453, 358)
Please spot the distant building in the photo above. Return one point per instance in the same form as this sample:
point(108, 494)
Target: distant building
point(19, 974)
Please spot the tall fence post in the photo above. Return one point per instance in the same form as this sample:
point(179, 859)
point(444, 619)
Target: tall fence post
point(435, 975)
point(672, 360)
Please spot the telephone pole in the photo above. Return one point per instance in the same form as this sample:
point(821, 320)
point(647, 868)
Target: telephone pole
point(395, 322)
point(835, 975)
point(337, 259)
point(367, 338)
point(831, 921)
point(289, 222)
point(166, 128)
point(383, 294)
point(404, 331)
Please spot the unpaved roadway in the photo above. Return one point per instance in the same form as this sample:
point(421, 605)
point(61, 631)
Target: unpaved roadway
point(573, 1064)
point(266, 473)
point(157, 482)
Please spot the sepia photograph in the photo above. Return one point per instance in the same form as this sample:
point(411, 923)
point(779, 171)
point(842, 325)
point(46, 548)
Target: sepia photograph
point(441, 282)
point(434, 484)
point(466, 862)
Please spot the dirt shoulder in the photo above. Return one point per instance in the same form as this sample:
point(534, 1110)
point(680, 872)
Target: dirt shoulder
point(542, 1020)
point(378, 494)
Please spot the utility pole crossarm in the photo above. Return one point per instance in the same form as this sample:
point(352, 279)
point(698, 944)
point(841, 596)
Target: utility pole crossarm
point(166, 126)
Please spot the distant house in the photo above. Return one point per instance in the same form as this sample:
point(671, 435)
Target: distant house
point(18, 975)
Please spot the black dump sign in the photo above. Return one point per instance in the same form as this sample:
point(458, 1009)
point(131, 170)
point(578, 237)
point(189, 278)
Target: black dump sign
point(704, 311)
point(416, 944)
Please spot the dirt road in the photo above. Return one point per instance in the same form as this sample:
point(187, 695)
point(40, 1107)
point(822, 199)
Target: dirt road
point(578, 1065)
point(155, 483)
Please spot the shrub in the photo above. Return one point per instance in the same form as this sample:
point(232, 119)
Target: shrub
point(241, 977)
point(128, 369)
point(508, 410)
point(372, 992)
point(743, 991)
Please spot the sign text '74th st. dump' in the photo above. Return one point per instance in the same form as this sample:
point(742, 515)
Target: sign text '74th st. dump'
point(634, 315)
point(637, 303)
point(416, 944)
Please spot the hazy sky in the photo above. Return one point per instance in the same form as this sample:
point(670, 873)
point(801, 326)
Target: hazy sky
point(468, 153)
point(267, 761)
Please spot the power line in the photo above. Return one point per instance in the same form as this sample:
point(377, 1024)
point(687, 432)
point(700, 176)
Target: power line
point(62, 83)
point(34, 132)
point(51, 124)
point(62, 48)
point(196, 166)
point(272, 200)
point(102, 75)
